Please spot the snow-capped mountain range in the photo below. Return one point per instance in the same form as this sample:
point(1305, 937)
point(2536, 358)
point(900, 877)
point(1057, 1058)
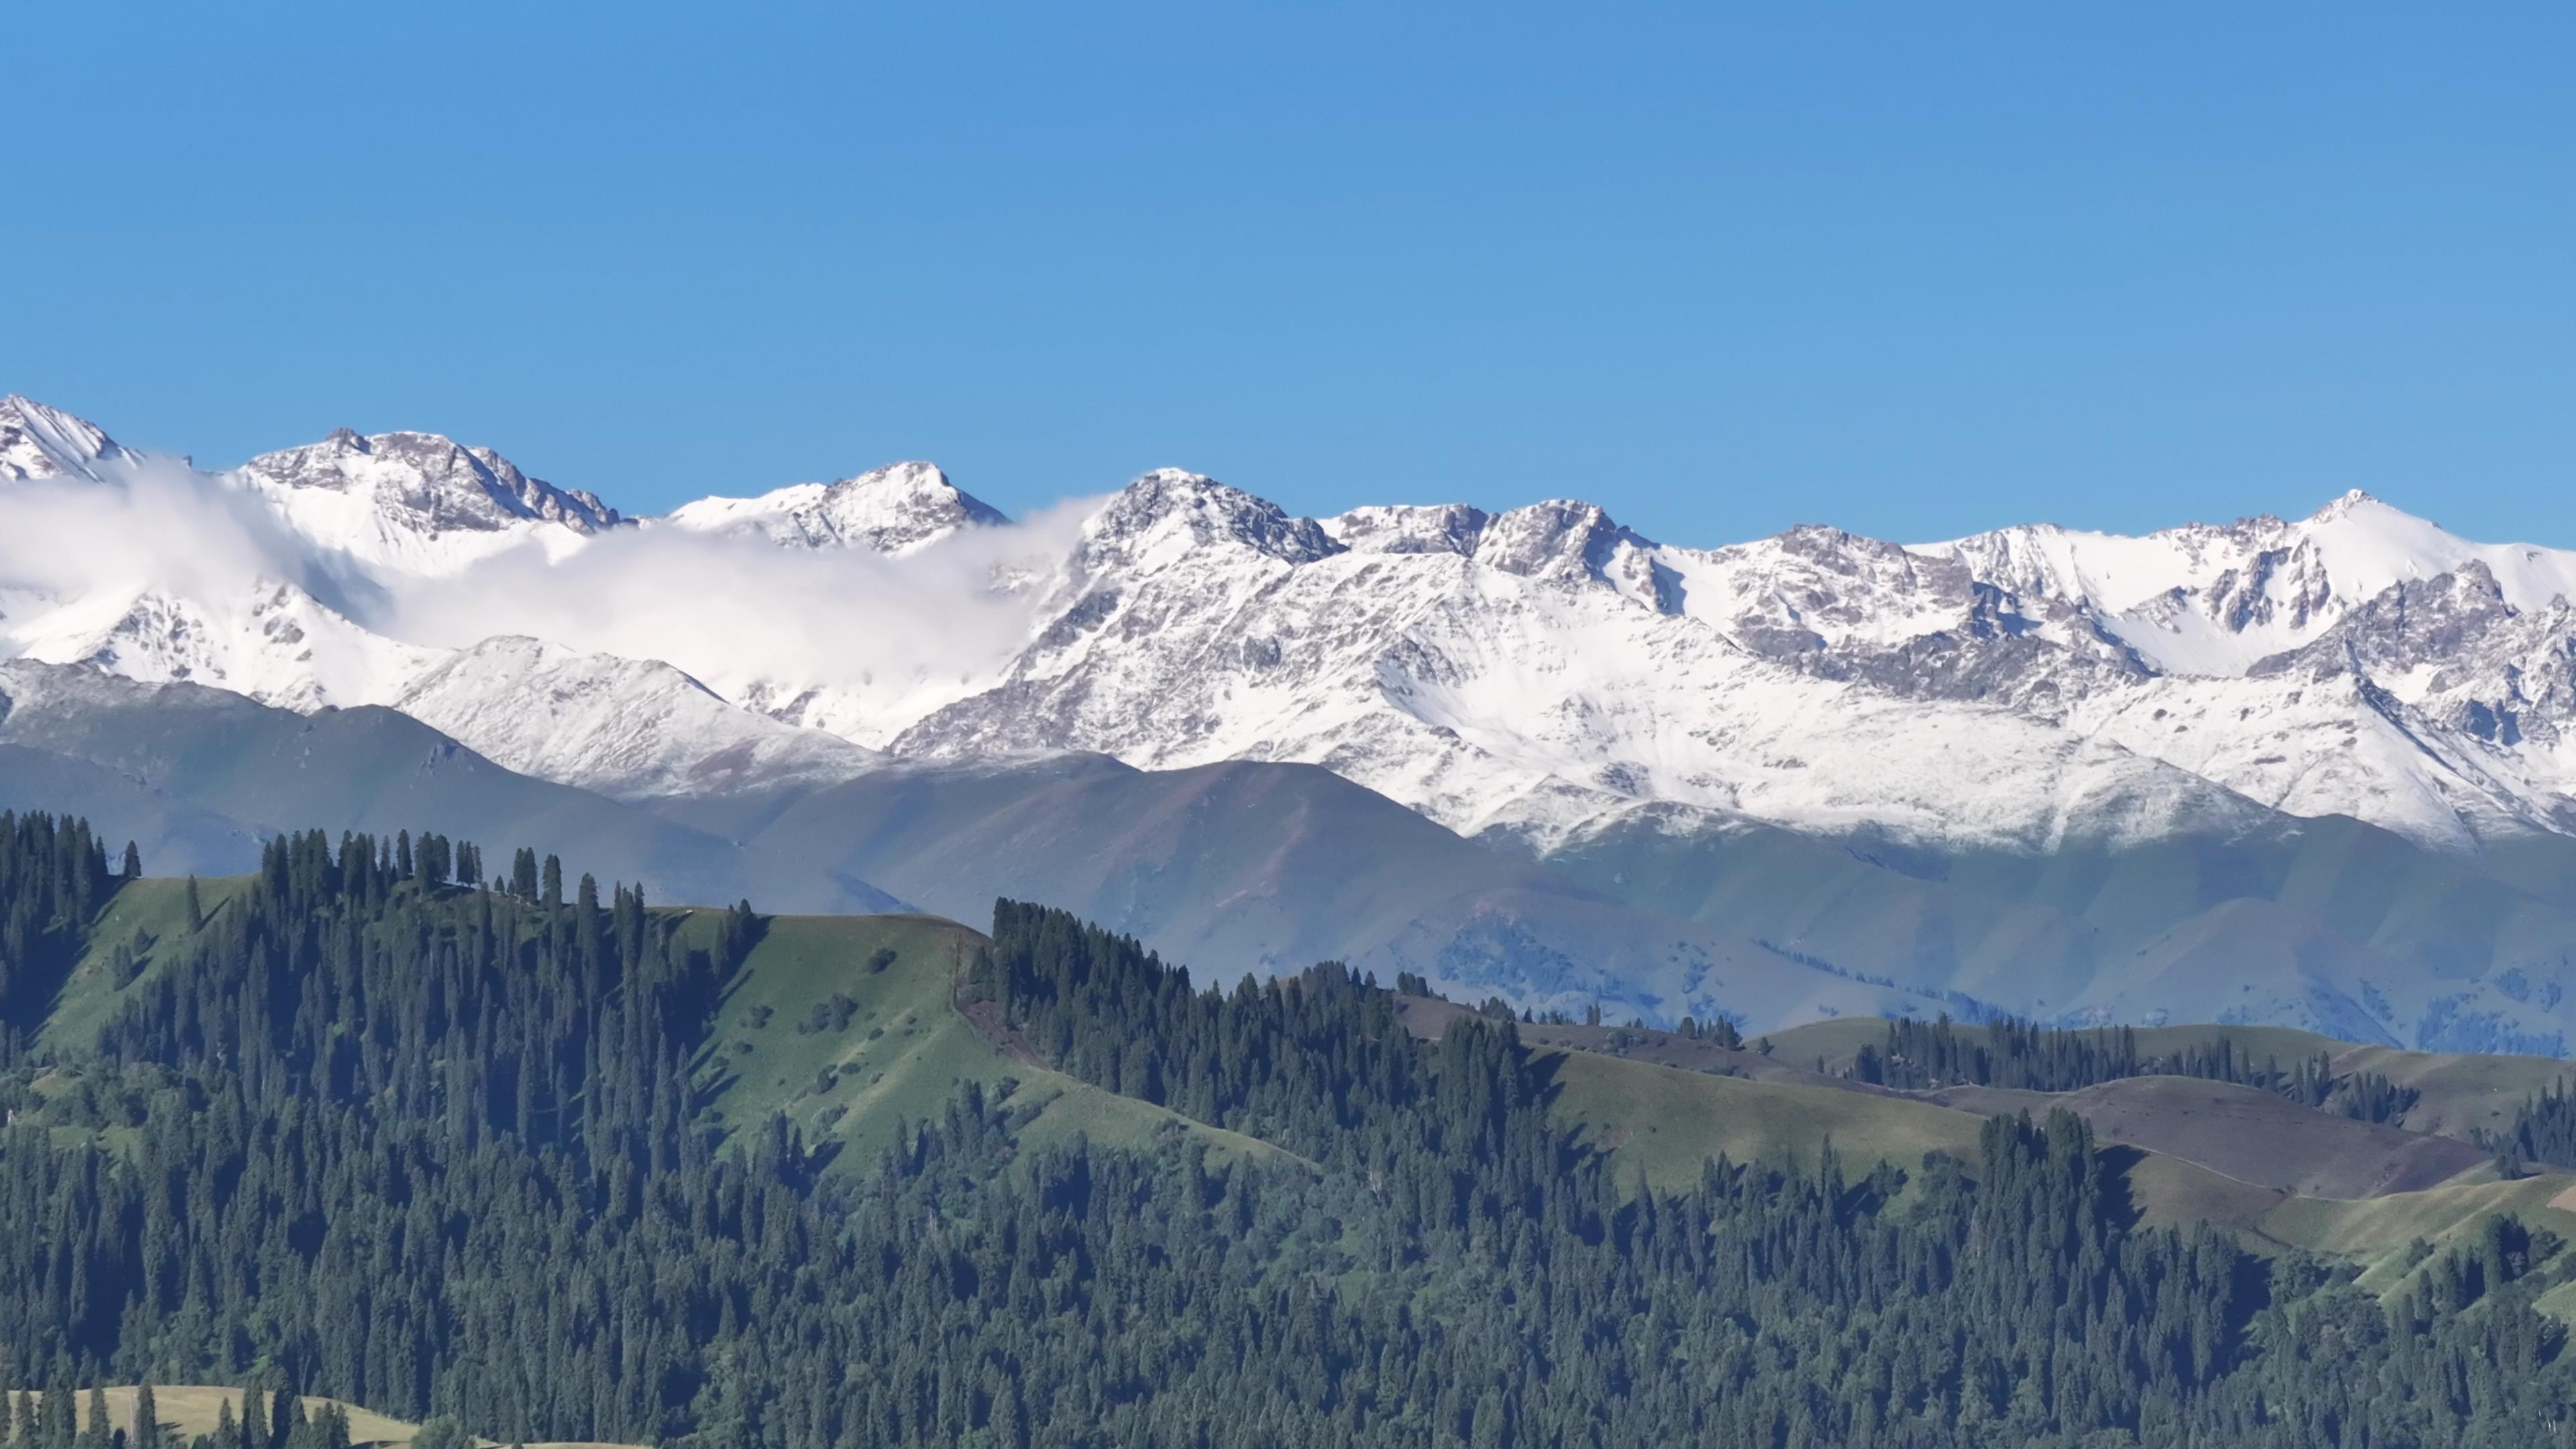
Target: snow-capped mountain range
point(1540, 677)
point(1534, 671)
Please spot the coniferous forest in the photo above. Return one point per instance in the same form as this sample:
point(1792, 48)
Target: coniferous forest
point(381, 1131)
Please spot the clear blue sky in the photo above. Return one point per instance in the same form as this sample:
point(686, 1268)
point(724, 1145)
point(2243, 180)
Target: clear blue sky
point(1914, 270)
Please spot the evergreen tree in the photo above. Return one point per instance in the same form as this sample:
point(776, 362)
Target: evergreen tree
point(100, 1428)
point(448, 1150)
point(253, 1420)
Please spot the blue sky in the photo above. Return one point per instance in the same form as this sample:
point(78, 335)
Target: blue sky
point(1915, 270)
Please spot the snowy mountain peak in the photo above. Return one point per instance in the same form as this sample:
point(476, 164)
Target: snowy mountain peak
point(1575, 542)
point(2353, 500)
point(449, 485)
point(892, 510)
point(1169, 511)
point(37, 441)
point(421, 502)
point(1524, 671)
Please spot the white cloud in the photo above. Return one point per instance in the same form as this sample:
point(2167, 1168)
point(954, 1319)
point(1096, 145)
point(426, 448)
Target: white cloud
point(148, 523)
point(841, 638)
point(735, 608)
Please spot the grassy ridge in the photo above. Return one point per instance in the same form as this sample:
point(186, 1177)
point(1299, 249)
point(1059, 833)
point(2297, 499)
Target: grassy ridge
point(2377, 1231)
point(1667, 1122)
point(1839, 1042)
point(152, 916)
point(2459, 1092)
point(896, 1050)
point(902, 1052)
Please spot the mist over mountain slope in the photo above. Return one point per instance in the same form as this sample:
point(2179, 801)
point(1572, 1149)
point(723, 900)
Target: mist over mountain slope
point(2024, 766)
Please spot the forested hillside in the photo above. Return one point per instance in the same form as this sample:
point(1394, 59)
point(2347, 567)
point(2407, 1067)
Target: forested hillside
point(363, 1126)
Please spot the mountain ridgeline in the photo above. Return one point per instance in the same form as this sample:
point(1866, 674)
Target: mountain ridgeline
point(2304, 772)
point(351, 1126)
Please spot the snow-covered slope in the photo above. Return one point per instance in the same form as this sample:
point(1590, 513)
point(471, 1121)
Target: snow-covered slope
point(2029, 755)
point(1533, 671)
point(891, 510)
point(627, 728)
point(418, 502)
point(41, 442)
point(2213, 600)
point(263, 638)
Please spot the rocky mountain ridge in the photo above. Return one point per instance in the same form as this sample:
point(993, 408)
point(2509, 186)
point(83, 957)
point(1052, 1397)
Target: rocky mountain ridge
point(891, 510)
point(1533, 671)
point(1541, 676)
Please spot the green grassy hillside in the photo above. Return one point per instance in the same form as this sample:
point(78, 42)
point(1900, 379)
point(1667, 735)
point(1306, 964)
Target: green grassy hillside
point(892, 1049)
point(2228, 1163)
point(2275, 1174)
point(845, 1024)
point(150, 916)
point(2377, 1232)
point(899, 1054)
point(1668, 1121)
point(2460, 1092)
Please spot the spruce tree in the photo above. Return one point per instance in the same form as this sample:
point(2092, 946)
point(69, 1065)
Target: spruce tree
point(61, 1410)
point(96, 1434)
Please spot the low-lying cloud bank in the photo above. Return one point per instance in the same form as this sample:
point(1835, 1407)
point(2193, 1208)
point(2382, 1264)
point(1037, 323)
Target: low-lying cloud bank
point(729, 608)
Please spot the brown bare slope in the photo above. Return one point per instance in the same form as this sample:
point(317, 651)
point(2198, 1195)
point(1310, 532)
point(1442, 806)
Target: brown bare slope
point(2460, 1093)
point(2254, 1136)
point(188, 1410)
point(192, 1409)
